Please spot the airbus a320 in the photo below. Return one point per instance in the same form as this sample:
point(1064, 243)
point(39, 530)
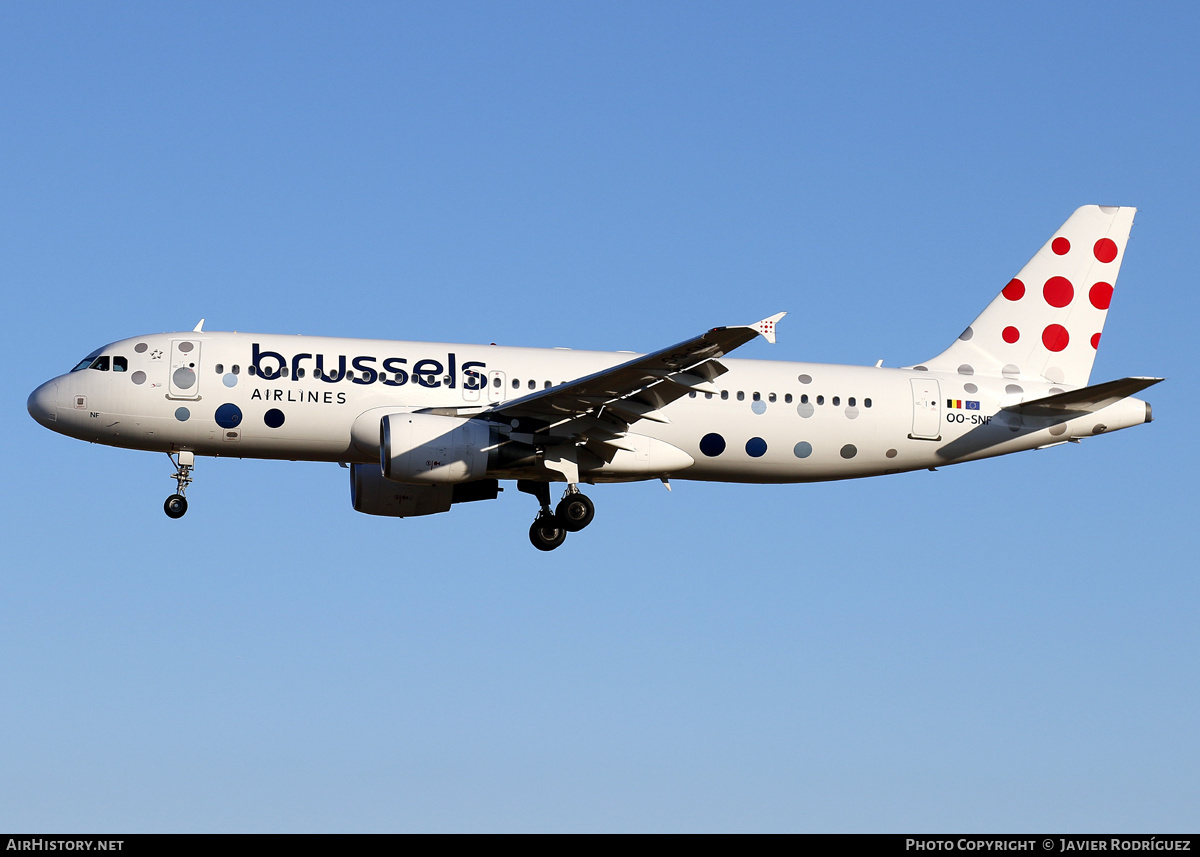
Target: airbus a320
point(425, 425)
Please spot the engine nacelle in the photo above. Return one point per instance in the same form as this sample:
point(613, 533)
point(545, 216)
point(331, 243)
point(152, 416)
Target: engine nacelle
point(432, 449)
point(372, 494)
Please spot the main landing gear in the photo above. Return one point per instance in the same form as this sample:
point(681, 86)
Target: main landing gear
point(176, 505)
point(549, 529)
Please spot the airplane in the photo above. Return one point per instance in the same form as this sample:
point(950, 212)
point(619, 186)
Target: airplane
point(423, 426)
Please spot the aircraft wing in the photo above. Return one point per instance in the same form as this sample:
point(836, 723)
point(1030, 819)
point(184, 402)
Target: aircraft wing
point(1083, 400)
point(610, 400)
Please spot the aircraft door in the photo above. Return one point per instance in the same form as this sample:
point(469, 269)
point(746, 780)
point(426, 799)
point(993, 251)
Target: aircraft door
point(495, 385)
point(472, 383)
point(184, 378)
point(927, 409)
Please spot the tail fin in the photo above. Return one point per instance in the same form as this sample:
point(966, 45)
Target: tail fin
point(1047, 321)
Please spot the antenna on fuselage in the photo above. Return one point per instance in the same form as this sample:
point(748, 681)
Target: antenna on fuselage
point(199, 327)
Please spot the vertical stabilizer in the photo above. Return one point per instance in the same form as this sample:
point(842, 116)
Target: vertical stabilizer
point(1047, 321)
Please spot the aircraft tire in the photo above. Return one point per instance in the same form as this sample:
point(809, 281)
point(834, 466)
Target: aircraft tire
point(547, 532)
point(175, 506)
point(575, 511)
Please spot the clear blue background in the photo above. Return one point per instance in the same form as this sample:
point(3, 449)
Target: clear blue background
point(1006, 645)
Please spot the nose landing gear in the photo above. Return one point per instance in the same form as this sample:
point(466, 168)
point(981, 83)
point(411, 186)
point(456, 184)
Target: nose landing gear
point(549, 529)
point(176, 505)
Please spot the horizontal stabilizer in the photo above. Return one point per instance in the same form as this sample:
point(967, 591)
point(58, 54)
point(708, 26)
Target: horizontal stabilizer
point(1084, 400)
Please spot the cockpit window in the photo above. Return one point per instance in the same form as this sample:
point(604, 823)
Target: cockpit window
point(87, 361)
point(120, 364)
point(100, 363)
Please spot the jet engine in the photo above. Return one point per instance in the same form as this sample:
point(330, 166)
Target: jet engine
point(372, 494)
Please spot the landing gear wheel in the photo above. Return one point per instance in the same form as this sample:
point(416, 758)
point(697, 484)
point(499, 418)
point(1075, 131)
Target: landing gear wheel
point(575, 511)
point(175, 506)
point(547, 532)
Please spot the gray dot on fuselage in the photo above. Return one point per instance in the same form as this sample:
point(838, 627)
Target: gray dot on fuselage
point(805, 409)
point(803, 449)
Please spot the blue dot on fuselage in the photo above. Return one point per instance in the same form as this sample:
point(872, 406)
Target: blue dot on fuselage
point(756, 447)
point(273, 418)
point(228, 416)
point(182, 414)
point(712, 445)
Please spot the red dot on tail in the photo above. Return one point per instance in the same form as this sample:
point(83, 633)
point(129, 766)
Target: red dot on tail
point(1015, 290)
point(1101, 295)
point(1055, 337)
point(1058, 291)
point(1105, 250)
point(1060, 246)
point(1095, 340)
point(1010, 334)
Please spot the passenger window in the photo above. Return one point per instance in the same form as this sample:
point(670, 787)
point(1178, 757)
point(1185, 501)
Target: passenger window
point(283, 371)
point(532, 384)
point(250, 370)
point(691, 394)
point(235, 369)
point(299, 372)
point(546, 386)
point(708, 395)
point(516, 384)
point(120, 364)
point(757, 397)
point(100, 363)
point(724, 395)
point(837, 400)
point(741, 396)
point(788, 398)
point(866, 403)
point(820, 400)
point(220, 367)
point(771, 397)
point(850, 401)
point(804, 398)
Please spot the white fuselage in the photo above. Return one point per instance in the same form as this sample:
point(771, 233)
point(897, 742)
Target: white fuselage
point(320, 399)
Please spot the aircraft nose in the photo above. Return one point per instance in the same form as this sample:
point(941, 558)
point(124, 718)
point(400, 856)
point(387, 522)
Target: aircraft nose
point(43, 403)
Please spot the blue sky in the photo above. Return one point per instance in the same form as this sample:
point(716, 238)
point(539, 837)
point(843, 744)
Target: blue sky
point(1006, 645)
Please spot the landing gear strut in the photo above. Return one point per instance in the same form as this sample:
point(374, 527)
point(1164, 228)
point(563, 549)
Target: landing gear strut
point(549, 529)
point(176, 505)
